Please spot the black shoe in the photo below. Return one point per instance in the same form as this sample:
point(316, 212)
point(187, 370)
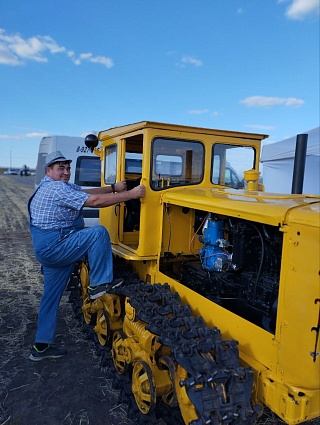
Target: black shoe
point(97, 291)
point(115, 284)
point(50, 352)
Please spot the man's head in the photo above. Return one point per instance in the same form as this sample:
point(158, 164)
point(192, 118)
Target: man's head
point(58, 167)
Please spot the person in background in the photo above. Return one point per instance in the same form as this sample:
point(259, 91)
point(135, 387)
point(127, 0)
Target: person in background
point(60, 240)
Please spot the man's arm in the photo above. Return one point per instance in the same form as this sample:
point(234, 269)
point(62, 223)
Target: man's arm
point(118, 187)
point(102, 200)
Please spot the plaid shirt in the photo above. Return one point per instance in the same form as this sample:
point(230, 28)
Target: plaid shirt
point(56, 204)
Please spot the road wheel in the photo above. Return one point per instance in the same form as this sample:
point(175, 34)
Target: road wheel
point(143, 387)
point(118, 352)
point(102, 328)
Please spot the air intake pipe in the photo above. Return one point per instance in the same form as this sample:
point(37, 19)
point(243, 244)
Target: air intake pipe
point(299, 163)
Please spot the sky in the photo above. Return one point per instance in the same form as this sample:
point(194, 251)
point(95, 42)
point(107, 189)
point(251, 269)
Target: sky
point(73, 67)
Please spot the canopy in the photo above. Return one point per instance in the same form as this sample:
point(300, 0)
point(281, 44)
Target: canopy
point(278, 163)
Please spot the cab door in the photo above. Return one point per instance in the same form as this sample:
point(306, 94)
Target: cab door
point(112, 172)
point(122, 220)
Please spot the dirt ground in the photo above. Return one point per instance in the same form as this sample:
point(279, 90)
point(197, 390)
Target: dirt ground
point(74, 390)
point(67, 391)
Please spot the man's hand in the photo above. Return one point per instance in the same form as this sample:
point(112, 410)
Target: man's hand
point(137, 192)
point(120, 186)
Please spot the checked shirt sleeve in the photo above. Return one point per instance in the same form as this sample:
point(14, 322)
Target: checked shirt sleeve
point(57, 205)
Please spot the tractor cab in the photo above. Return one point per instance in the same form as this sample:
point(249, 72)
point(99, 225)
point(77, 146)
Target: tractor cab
point(165, 157)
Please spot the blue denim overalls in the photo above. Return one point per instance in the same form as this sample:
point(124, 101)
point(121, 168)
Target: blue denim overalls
point(58, 250)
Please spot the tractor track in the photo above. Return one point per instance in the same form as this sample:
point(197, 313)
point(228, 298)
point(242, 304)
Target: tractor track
point(218, 386)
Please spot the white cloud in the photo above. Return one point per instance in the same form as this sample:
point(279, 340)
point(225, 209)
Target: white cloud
point(15, 50)
point(204, 111)
point(6, 57)
point(32, 48)
point(198, 111)
point(294, 102)
point(260, 126)
point(299, 9)
point(23, 136)
point(190, 60)
point(107, 62)
point(264, 101)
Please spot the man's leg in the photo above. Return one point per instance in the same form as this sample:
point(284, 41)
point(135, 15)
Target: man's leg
point(99, 256)
point(55, 281)
point(58, 263)
point(92, 241)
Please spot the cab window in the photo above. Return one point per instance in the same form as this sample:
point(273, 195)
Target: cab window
point(229, 162)
point(176, 162)
point(110, 165)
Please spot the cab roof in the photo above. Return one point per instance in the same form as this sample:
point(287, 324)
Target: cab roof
point(117, 131)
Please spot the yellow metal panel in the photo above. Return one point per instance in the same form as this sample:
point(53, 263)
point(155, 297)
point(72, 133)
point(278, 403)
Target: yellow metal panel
point(298, 310)
point(256, 206)
point(108, 218)
point(292, 404)
point(308, 215)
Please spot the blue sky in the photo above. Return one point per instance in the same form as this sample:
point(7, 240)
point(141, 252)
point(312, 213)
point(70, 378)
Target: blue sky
point(70, 67)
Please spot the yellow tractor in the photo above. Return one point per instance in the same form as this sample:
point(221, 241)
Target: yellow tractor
point(220, 315)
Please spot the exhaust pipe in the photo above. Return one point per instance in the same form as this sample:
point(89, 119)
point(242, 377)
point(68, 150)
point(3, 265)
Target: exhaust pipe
point(299, 163)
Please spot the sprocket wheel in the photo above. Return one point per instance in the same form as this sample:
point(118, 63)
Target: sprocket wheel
point(143, 387)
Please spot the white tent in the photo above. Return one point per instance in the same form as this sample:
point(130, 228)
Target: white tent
point(278, 163)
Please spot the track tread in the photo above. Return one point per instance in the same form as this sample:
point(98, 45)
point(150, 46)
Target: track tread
point(212, 364)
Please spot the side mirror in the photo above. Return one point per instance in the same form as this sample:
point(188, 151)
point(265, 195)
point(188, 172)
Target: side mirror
point(91, 141)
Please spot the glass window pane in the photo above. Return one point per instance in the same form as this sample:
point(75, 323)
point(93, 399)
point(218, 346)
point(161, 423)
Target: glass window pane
point(176, 162)
point(88, 171)
point(170, 165)
point(110, 169)
point(229, 162)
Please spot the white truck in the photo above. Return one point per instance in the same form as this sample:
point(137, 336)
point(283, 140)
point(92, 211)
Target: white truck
point(85, 166)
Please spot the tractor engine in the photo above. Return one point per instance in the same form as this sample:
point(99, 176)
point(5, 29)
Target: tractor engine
point(239, 268)
point(213, 255)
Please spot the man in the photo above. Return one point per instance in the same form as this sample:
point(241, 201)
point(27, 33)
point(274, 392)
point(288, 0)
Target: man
point(60, 240)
